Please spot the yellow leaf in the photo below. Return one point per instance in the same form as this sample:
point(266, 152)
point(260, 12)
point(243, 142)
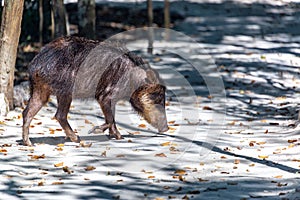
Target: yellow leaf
point(278, 176)
point(291, 145)
point(59, 164)
point(151, 177)
point(172, 128)
point(60, 145)
point(263, 156)
point(59, 149)
point(165, 144)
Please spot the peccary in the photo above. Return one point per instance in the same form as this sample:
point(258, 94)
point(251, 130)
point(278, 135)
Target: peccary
point(74, 67)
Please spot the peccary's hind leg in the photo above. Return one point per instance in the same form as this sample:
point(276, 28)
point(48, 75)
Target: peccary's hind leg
point(108, 109)
point(63, 107)
point(38, 98)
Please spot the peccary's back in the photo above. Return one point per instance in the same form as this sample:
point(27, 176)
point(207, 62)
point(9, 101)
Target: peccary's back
point(58, 62)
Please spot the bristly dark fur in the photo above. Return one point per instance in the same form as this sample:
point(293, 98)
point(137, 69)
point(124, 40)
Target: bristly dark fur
point(73, 67)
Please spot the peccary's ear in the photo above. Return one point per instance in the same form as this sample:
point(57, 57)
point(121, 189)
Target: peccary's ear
point(151, 76)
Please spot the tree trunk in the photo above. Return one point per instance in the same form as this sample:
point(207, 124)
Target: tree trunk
point(9, 40)
point(150, 24)
point(41, 25)
point(167, 19)
point(60, 25)
point(87, 18)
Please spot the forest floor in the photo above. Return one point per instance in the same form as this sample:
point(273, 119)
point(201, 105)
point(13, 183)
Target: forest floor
point(233, 129)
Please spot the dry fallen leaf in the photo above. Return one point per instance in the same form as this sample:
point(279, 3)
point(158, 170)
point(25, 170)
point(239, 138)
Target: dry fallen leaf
point(278, 176)
point(36, 157)
point(165, 144)
point(120, 156)
point(292, 141)
point(135, 133)
point(202, 180)
point(41, 183)
point(171, 122)
point(85, 145)
point(87, 122)
point(142, 126)
point(103, 154)
point(160, 155)
point(236, 161)
point(89, 168)
point(207, 108)
point(3, 150)
point(263, 156)
point(180, 172)
point(52, 131)
point(59, 164)
point(57, 183)
point(67, 170)
point(146, 172)
point(171, 128)
point(151, 177)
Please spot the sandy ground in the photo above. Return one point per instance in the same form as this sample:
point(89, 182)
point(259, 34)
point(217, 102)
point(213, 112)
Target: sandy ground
point(233, 133)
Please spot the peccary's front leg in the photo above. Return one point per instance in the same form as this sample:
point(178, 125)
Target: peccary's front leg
point(108, 109)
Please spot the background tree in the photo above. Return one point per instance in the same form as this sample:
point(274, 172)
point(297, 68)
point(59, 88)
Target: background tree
point(59, 15)
point(150, 24)
point(167, 19)
point(87, 18)
point(9, 39)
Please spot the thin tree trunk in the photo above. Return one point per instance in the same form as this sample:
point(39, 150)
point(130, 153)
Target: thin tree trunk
point(9, 40)
point(87, 18)
point(167, 19)
point(41, 24)
point(150, 24)
point(59, 18)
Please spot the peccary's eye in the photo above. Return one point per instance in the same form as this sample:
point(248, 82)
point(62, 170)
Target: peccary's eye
point(157, 97)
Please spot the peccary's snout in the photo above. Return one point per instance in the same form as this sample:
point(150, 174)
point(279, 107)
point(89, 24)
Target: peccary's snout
point(157, 118)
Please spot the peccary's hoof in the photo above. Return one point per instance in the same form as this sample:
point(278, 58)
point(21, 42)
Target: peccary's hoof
point(27, 143)
point(74, 138)
point(116, 136)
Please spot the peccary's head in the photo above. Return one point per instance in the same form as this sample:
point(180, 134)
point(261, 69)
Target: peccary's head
point(149, 101)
